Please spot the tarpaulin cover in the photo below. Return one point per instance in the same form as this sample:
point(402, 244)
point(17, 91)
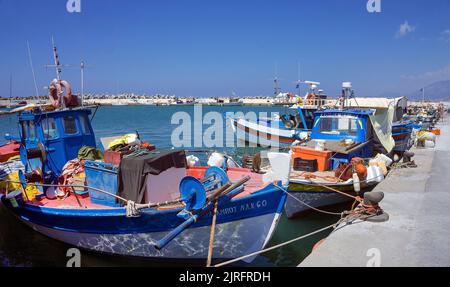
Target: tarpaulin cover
point(133, 171)
point(382, 125)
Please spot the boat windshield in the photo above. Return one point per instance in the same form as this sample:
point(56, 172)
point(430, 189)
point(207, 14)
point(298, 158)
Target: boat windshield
point(338, 126)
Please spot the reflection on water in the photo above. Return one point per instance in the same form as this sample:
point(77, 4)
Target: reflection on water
point(21, 246)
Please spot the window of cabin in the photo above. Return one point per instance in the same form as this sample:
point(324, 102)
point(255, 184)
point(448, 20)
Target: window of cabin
point(49, 128)
point(28, 130)
point(85, 125)
point(70, 125)
point(24, 129)
point(338, 126)
point(32, 131)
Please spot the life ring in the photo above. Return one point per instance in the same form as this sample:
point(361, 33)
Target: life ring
point(55, 90)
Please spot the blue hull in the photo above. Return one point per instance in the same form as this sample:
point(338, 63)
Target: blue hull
point(244, 225)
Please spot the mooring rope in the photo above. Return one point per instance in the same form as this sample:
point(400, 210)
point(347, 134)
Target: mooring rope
point(334, 225)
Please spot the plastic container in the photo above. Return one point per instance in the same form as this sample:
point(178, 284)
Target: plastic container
point(386, 159)
point(102, 176)
point(436, 131)
point(429, 144)
point(305, 153)
point(379, 175)
point(320, 145)
point(371, 174)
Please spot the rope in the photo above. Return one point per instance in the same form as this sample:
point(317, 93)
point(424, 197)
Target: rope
point(334, 225)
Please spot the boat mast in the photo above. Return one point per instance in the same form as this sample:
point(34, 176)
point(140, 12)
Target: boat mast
point(32, 71)
point(57, 67)
point(275, 81)
point(82, 82)
point(10, 89)
point(298, 79)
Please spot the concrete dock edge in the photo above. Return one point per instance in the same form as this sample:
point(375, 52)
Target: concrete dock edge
point(418, 231)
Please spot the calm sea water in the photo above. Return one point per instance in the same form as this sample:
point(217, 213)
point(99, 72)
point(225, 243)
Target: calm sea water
point(21, 246)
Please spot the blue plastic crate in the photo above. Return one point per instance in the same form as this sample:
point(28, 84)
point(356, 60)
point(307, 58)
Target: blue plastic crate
point(102, 176)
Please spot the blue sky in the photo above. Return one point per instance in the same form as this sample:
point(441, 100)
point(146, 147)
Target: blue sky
point(211, 48)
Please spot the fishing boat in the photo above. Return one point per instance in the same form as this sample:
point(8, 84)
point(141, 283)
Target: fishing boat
point(331, 167)
point(9, 150)
point(151, 204)
point(247, 213)
point(285, 129)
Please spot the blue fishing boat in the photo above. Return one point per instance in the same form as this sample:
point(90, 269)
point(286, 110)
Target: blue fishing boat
point(151, 204)
point(285, 129)
point(331, 167)
point(174, 195)
point(345, 135)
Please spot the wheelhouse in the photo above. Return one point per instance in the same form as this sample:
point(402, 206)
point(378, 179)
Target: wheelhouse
point(342, 124)
point(60, 133)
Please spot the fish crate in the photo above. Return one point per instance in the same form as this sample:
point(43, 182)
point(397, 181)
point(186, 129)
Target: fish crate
point(305, 153)
point(102, 176)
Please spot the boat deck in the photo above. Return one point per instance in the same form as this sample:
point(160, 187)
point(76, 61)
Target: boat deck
point(83, 202)
point(322, 177)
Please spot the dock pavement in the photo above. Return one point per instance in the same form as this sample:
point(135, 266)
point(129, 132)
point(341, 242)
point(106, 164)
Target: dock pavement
point(417, 233)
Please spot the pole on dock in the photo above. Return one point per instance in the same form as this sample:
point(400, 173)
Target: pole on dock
point(212, 234)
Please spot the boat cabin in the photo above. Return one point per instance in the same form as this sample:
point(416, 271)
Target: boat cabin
point(300, 118)
point(345, 133)
point(61, 133)
point(342, 125)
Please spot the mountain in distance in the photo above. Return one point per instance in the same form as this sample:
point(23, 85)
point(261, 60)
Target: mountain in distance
point(438, 91)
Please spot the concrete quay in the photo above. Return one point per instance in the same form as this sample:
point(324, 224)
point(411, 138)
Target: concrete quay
point(418, 231)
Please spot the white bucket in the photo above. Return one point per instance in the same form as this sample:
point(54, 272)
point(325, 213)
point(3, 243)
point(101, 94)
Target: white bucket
point(216, 159)
point(192, 160)
point(384, 158)
point(379, 174)
point(320, 145)
point(429, 144)
point(371, 174)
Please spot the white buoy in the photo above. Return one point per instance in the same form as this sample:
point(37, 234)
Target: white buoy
point(356, 182)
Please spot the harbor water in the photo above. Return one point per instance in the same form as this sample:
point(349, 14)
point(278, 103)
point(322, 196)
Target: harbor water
point(21, 246)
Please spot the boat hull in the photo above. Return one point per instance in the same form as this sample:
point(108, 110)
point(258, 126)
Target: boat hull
point(317, 196)
point(244, 225)
point(262, 134)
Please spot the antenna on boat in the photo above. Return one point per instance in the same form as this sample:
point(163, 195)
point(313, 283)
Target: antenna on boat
point(82, 67)
point(276, 82)
point(10, 89)
point(32, 71)
point(57, 66)
point(299, 81)
point(347, 93)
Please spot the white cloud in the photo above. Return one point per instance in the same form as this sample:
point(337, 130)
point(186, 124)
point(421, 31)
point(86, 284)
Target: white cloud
point(404, 29)
point(445, 35)
point(440, 74)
